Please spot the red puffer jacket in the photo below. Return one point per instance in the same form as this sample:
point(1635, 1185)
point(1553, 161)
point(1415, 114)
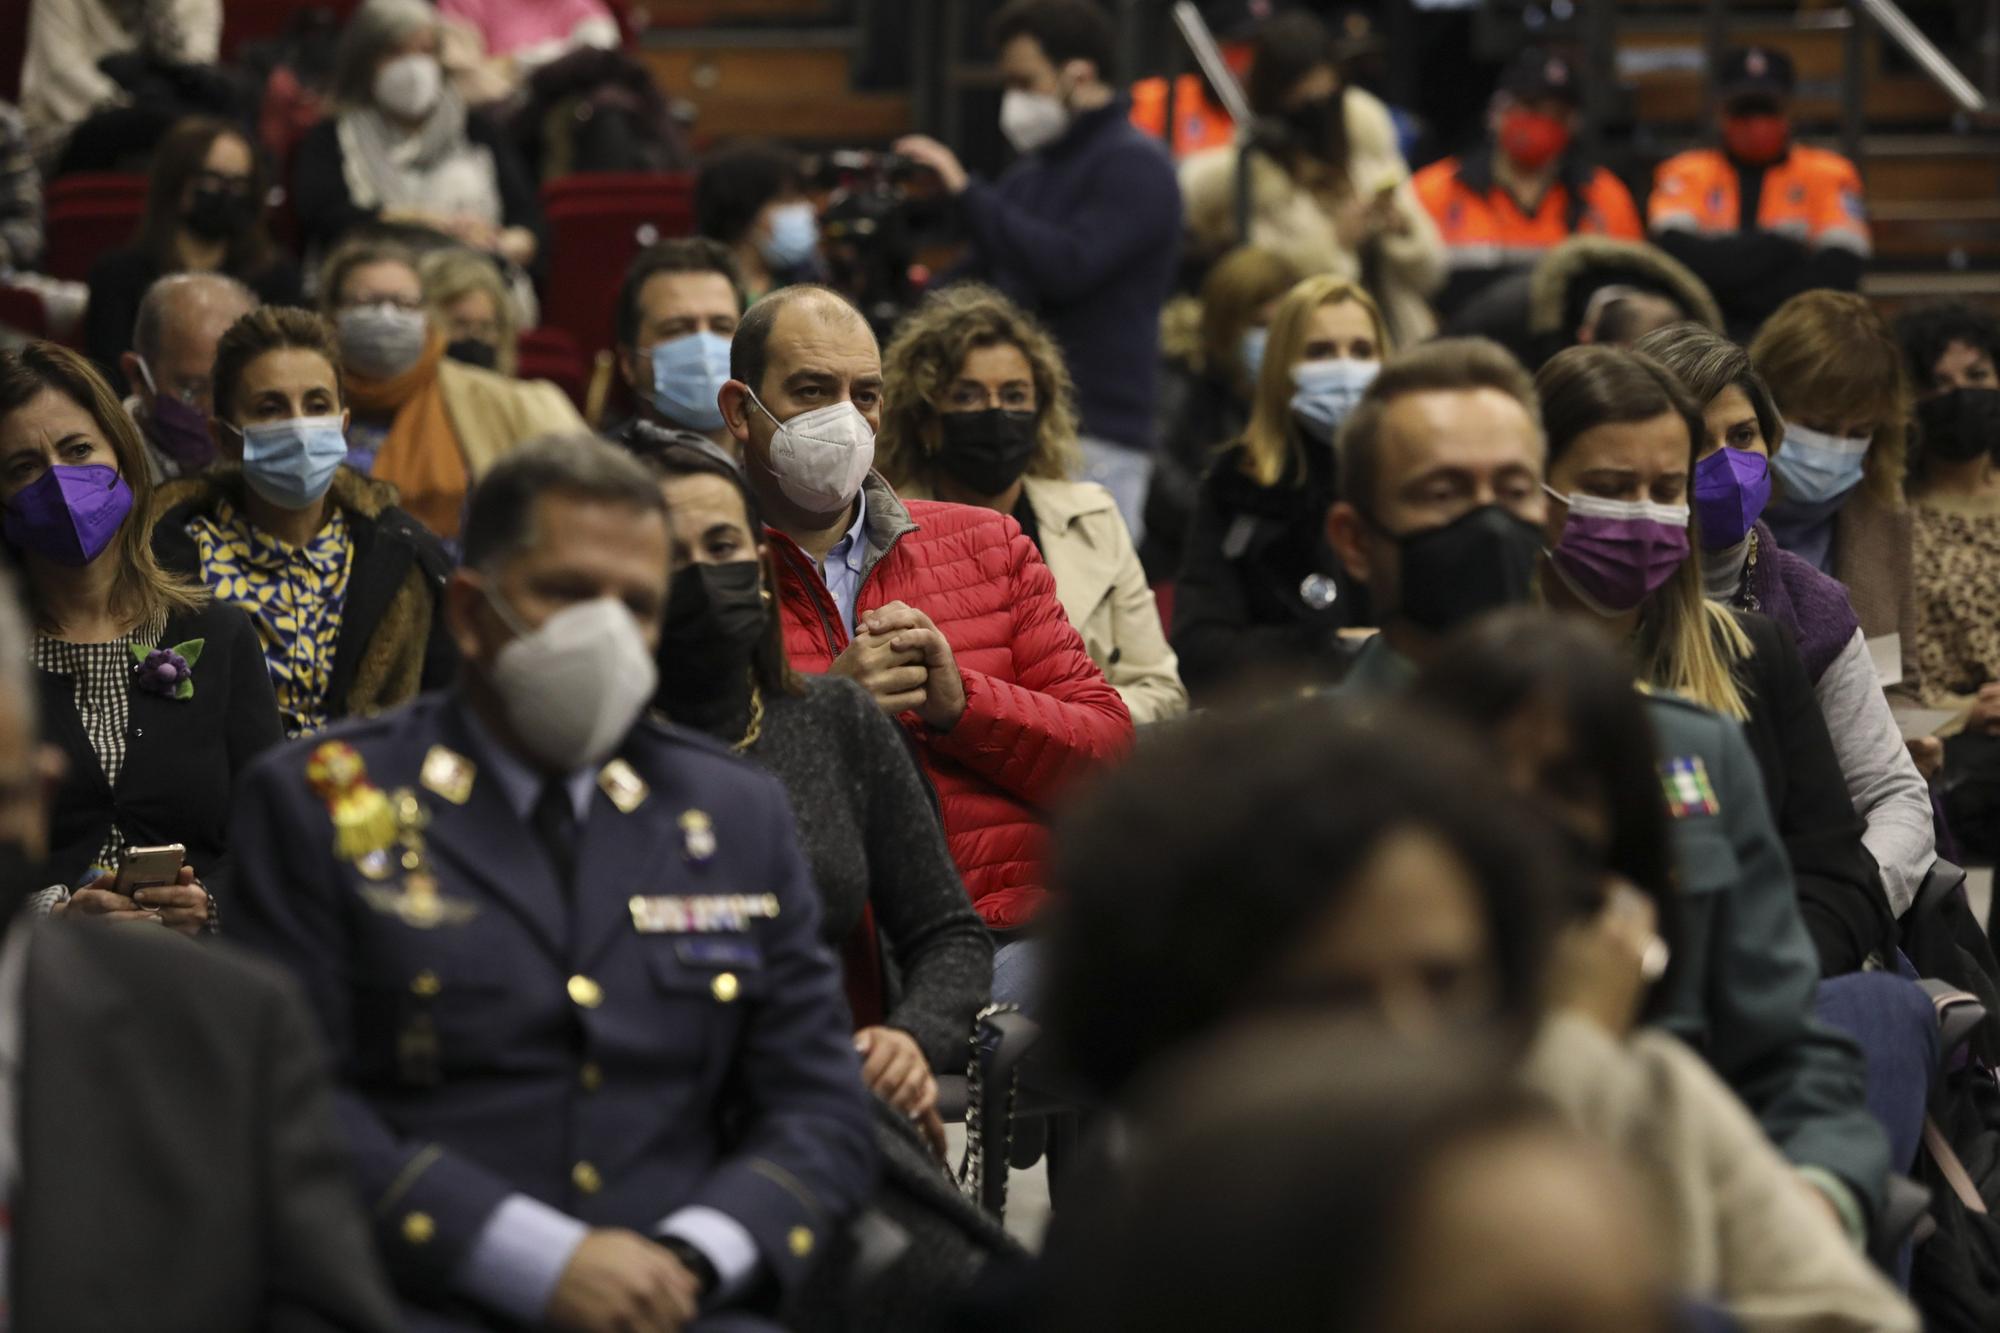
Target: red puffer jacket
point(1038, 712)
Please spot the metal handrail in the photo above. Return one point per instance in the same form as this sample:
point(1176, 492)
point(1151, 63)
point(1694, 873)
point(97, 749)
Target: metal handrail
point(1195, 32)
point(1893, 21)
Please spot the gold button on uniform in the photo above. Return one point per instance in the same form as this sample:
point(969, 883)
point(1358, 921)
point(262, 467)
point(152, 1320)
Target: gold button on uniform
point(800, 1242)
point(591, 1077)
point(585, 992)
point(418, 1228)
point(724, 987)
point(425, 984)
point(584, 1176)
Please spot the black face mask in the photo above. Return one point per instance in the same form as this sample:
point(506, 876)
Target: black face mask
point(473, 352)
point(1478, 562)
point(217, 215)
point(715, 617)
point(987, 451)
point(1318, 127)
point(1961, 425)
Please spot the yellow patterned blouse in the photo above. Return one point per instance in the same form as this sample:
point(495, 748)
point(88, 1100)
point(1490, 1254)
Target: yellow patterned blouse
point(294, 594)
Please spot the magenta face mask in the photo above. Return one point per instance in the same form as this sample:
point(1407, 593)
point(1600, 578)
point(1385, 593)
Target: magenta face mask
point(1731, 488)
point(69, 514)
point(1614, 554)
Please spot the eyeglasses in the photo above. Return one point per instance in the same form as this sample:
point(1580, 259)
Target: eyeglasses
point(215, 180)
point(365, 302)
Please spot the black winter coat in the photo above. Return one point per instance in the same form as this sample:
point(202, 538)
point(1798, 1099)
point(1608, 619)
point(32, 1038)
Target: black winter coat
point(1840, 888)
point(1259, 588)
point(182, 756)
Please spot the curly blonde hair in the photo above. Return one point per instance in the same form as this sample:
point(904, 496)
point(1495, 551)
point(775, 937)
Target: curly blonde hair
point(925, 357)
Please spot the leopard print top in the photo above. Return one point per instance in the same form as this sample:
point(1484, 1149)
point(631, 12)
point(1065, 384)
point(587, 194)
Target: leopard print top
point(1955, 545)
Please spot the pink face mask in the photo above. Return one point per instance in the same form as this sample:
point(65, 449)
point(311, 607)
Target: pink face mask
point(1614, 554)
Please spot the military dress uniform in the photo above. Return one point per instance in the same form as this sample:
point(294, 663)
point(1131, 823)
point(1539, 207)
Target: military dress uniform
point(637, 1028)
point(1742, 982)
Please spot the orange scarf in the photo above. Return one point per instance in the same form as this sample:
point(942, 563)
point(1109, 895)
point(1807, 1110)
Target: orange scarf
point(421, 456)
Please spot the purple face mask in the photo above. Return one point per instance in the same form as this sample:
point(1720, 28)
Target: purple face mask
point(1731, 488)
point(69, 514)
point(180, 429)
point(1614, 554)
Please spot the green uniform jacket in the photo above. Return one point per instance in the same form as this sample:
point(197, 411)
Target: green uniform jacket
point(1744, 969)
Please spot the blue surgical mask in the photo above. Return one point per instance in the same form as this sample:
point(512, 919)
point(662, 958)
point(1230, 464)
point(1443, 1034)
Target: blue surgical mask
point(793, 238)
point(688, 373)
point(1328, 391)
point(1251, 353)
point(291, 463)
point(1816, 467)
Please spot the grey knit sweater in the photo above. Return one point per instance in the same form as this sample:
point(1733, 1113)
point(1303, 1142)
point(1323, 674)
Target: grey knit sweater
point(870, 831)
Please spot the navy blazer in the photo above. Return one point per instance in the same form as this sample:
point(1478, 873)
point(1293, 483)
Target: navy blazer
point(547, 1045)
point(183, 757)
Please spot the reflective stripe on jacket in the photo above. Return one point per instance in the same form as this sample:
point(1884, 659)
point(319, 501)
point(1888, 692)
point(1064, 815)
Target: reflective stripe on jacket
point(1812, 195)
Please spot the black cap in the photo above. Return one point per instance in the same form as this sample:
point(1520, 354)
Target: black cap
point(1755, 71)
point(1538, 74)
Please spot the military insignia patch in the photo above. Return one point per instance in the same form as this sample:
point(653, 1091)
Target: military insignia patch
point(1689, 791)
point(363, 822)
point(419, 904)
point(449, 774)
point(699, 914)
point(623, 785)
point(697, 835)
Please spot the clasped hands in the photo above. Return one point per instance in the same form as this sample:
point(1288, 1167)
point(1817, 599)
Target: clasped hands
point(902, 659)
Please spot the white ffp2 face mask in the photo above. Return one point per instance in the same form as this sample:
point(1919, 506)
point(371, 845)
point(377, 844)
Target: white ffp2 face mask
point(409, 86)
point(573, 688)
point(1032, 120)
point(821, 457)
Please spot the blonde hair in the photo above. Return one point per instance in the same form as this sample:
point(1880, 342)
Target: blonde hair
point(452, 274)
point(1685, 642)
point(142, 591)
point(1241, 282)
point(927, 354)
point(1831, 354)
point(1271, 448)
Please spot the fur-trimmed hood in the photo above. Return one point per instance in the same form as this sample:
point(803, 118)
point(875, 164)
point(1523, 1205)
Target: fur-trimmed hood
point(1553, 291)
point(352, 492)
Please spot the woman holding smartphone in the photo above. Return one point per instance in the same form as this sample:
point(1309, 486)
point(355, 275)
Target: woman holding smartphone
point(156, 696)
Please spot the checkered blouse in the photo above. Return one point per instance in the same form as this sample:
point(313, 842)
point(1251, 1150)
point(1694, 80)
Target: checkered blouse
point(101, 675)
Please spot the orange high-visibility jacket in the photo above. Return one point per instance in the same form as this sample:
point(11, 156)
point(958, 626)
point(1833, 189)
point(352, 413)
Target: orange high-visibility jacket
point(1812, 196)
point(1485, 227)
point(1198, 122)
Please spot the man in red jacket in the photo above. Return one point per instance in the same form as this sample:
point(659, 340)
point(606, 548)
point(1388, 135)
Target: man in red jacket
point(945, 613)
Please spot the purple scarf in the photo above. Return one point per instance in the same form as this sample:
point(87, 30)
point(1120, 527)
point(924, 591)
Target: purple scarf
point(1812, 605)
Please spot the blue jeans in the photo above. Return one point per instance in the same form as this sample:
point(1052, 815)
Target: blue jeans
point(1017, 974)
point(1127, 473)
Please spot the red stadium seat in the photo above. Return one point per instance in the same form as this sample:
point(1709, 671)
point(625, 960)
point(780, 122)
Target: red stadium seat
point(551, 354)
point(597, 222)
point(88, 214)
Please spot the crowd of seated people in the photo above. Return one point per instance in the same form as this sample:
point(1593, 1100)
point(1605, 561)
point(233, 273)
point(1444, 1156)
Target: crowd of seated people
point(1407, 736)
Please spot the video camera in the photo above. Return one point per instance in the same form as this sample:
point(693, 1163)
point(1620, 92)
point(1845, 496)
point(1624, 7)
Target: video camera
point(881, 210)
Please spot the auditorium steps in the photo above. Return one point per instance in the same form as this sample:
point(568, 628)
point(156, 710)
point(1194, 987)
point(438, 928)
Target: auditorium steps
point(1932, 173)
point(781, 69)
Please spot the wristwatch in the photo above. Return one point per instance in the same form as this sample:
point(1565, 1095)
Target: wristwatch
point(695, 1262)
